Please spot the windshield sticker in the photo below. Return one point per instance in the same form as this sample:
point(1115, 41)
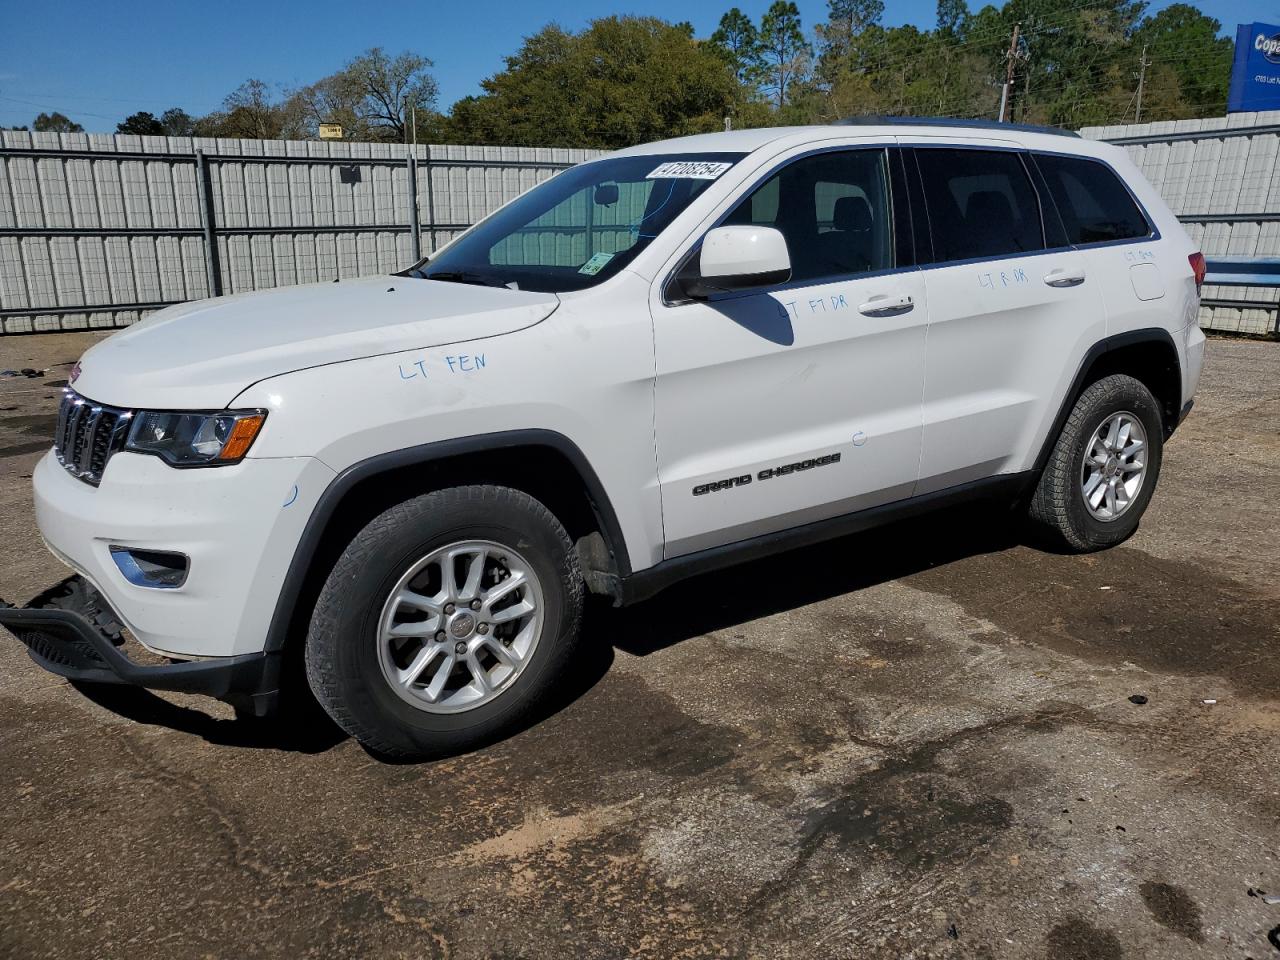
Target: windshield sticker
point(688, 170)
point(595, 264)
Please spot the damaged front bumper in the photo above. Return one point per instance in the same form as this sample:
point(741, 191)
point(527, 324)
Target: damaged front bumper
point(75, 636)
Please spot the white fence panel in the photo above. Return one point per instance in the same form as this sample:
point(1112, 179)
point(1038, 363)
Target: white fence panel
point(1221, 177)
point(100, 230)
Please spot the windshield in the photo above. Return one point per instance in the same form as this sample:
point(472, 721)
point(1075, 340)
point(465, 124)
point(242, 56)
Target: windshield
point(580, 227)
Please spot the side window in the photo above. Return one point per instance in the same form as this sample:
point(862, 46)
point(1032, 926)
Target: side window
point(834, 210)
point(981, 204)
point(1094, 204)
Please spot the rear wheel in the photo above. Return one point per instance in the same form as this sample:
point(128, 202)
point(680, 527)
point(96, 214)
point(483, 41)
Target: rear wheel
point(1103, 469)
point(446, 620)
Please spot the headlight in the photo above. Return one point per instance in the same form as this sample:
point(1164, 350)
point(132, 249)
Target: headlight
point(196, 439)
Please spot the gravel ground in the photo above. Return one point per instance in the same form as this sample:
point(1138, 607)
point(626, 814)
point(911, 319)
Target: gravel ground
point(918, 742)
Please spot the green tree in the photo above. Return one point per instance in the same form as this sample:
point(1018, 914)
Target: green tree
point(739, 40)
point(621, 81)
point(1183, 43)
point(374, 97)
point(142, 124)
point(952, 17)
point(1071, 74)
point(177, 122)
point(55, 123)
point(1077, 63)
point(253, 112)
point(784, 51)
point(854, 16)
point(848, 23)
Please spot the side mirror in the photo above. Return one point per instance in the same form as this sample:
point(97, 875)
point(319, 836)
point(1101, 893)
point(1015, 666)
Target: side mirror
point(606, 195)
point(740, 258)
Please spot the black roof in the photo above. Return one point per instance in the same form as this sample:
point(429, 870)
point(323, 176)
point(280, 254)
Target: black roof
point(871, 120)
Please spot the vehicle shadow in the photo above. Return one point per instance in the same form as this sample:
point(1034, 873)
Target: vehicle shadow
point(300, 726)
point(702, 604)
point(794, 579)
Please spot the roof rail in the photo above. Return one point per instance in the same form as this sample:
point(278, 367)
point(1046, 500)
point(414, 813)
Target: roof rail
point(873, 119)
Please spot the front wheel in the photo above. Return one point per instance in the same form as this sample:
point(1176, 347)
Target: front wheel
point(445, 621)
point(1103, 469)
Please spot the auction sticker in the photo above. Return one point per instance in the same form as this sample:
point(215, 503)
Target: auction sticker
point(688, 170)
point(595, 264)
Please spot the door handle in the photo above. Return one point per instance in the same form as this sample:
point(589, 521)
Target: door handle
point(1065, 278)
point(884, 306)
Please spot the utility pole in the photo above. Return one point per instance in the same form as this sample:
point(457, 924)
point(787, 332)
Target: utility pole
point(415, 220)
point(1011, 57)
point(1142, 80)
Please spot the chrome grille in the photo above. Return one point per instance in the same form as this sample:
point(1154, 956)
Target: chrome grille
point(88, 434)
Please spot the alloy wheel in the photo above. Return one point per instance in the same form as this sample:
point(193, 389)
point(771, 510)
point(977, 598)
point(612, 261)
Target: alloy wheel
point(460, 626)
point(1114, 466)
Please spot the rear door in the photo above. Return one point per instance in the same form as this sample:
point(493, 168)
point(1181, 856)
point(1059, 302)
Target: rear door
point(786, 405)
point(1119, 243)
point(1012, 308)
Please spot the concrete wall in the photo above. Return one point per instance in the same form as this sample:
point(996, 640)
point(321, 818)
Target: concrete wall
point(118, 222)
point(1222, 179)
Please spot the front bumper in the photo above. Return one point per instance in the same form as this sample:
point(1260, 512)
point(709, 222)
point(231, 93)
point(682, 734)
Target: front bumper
point(238, 526)
point(72, 642)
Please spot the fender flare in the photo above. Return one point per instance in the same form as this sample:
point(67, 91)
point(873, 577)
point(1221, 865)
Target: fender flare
point(1092, 355)
point(318, 522)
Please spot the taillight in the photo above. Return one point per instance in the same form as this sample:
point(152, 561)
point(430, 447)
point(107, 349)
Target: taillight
point(1198, 268)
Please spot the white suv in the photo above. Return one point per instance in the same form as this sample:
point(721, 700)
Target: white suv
point(676, 357)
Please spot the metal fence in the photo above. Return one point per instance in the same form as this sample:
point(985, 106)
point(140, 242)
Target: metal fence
point(1221, 176)
point(99, 230)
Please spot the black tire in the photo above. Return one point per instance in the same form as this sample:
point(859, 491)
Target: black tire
point(341, 649)
point(1058, 514)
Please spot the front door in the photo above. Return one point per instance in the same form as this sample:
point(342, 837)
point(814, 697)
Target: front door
point(784, 406)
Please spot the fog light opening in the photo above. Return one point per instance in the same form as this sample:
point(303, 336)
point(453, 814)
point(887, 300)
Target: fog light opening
point(158, 569)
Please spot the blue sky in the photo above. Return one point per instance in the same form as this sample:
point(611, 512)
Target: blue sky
point(98, 62)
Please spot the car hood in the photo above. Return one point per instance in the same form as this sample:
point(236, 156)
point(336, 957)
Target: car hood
point(200, 355)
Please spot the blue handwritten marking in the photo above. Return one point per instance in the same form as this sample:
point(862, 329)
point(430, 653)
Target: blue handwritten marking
point(814, 304)
point(1016, 276)
point(464, 363)
point(838, 302)
point(791, 308)
point(402, 376)
point(292, 497)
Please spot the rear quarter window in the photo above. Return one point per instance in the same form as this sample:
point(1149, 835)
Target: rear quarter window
point(1094, 204)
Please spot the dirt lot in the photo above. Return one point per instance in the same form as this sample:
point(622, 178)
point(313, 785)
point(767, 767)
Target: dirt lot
point(915, 743)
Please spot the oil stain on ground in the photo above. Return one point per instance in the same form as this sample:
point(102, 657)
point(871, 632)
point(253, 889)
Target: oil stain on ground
point(1173, 907)
point(917, 818)
point(39, 426)
point(1077, 939)
point(1122, 604)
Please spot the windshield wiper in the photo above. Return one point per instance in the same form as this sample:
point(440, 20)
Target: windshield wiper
point(463, 276)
